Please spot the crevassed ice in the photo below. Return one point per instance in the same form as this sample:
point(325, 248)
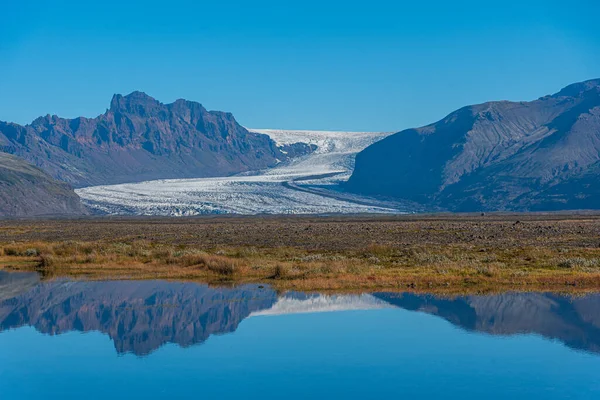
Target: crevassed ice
point(296, 187)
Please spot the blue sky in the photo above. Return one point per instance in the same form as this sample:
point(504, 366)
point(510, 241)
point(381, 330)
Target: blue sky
point(376, 65)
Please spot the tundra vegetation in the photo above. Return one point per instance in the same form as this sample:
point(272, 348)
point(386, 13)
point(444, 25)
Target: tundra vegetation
point(453, 254)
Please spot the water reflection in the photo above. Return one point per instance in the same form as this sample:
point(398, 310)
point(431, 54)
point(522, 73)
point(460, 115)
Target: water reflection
point(138, 316)
point(13, 284)
point(575, 321)
point(141, 316)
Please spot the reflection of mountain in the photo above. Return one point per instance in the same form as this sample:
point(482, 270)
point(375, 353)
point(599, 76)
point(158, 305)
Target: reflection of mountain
point(141, 316)
point(138, 316)
point(574, 321)
point(15, 283)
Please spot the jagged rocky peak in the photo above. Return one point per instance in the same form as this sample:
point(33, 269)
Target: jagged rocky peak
point(139, 138)
point(134, 102)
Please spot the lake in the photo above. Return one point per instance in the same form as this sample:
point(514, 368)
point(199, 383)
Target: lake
point(156, 339)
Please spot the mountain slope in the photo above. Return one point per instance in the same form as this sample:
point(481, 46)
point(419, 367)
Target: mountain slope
point(27, 191)
point(539, 155)
point(138, 138)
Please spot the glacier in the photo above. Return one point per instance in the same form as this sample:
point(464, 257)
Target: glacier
point(306, 185)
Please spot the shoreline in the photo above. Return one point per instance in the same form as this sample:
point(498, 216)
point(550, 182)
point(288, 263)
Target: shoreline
point(445, 253)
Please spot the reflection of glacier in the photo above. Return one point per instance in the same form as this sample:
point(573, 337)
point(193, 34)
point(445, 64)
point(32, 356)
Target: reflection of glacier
point(141, 316)
point(306, 185)
point(322, 303)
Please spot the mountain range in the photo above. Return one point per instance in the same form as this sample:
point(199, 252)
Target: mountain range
point(521, 156)
point(139, 138)
point(136, 139)
point(496, 156)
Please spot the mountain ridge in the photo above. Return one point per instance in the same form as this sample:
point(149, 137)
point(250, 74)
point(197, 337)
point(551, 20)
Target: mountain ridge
point(139, 138)
point(494, 156)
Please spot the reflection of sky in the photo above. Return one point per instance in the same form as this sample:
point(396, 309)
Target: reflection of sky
point(354, 354)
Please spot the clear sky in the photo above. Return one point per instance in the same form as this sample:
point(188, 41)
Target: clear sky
point(313, 64)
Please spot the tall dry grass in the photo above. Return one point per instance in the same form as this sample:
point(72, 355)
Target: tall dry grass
point(374, 267)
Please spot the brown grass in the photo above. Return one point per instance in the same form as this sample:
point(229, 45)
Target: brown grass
point(429, 253)
point(375, 267)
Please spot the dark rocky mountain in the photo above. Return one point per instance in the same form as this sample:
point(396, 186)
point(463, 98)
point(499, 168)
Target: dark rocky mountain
point(138, 316)
point(138, 138)
point(27, 191)
point(538, 155)
point(574, 321)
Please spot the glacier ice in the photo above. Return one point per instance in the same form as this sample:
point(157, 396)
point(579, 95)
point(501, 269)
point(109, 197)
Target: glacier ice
point(305, 185)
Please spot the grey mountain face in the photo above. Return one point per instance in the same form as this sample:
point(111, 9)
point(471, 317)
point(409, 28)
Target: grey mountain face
point(139, 138)
point(26, 191)
point(539, 155)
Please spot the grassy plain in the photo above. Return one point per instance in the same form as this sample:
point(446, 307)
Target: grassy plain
point(435, 253)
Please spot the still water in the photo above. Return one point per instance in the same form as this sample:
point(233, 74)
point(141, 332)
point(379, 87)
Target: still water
point(155, 339)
